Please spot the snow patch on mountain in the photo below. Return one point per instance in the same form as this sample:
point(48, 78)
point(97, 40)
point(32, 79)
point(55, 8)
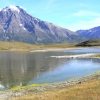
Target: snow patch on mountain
point(12, 7)
point(20, 24)
point(24, 28)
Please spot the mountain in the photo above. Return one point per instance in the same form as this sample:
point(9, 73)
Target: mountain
point(91, 33)
point(90, 42)
point(16, 24)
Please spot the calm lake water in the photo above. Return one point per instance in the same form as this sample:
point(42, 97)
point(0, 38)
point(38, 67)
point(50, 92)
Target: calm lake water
point(18, 68)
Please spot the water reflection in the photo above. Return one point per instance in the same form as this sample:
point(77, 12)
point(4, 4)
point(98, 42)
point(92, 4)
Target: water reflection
point(73, 68)
point(17, 69)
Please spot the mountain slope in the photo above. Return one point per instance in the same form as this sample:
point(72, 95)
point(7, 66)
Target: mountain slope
point(16, 24)
point(91, 33)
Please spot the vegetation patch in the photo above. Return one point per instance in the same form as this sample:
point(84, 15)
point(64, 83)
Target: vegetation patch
point(89, 43)
point(24, 46)
point(26, 87)
point(86, 91)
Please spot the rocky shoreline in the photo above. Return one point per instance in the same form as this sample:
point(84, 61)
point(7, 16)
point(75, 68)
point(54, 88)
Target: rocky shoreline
point(7, 95)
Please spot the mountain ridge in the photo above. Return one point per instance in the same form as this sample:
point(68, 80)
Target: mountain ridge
point(18, 25)
point(90, 33)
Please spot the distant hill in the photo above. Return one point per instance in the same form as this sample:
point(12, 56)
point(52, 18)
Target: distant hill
point(91, 42)
point(91, 33)
point(17, 25)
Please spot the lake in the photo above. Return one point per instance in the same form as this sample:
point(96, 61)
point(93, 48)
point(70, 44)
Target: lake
point(23, 68)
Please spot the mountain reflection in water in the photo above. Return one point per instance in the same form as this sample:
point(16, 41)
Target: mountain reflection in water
point(17, 68)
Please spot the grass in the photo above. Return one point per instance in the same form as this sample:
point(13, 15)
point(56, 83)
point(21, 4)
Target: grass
point(97, 56)
point(89, 43)
point(12, 45)
point(85, 91)
point(16, 46)
point(24, 46)
point(26, 87)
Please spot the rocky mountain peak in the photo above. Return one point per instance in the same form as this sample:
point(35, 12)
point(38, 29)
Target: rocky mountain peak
point(16, 24)
point(11, 8)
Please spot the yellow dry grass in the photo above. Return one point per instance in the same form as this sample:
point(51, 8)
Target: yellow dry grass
point(85, 91)
point(24, 46)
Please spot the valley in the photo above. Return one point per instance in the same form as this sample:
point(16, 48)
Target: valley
point(40, 60)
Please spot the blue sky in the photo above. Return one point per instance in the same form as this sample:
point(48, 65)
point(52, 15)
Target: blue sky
point(70, 14)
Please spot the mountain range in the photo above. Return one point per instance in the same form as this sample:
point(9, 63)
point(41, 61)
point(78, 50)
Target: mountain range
point(17, 25)
point(90, 33)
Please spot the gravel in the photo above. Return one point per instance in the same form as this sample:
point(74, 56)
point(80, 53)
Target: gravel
point(6, 95)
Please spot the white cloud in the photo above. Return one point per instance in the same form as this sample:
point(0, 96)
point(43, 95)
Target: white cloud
point(84, 24)
point(0, 9)
point(86, 13)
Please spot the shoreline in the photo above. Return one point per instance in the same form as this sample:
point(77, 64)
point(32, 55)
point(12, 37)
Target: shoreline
point(54, 49)
point(46, 87)
point(87, 55)
point(47, 49)
point(59, 49)
point(19, 91)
